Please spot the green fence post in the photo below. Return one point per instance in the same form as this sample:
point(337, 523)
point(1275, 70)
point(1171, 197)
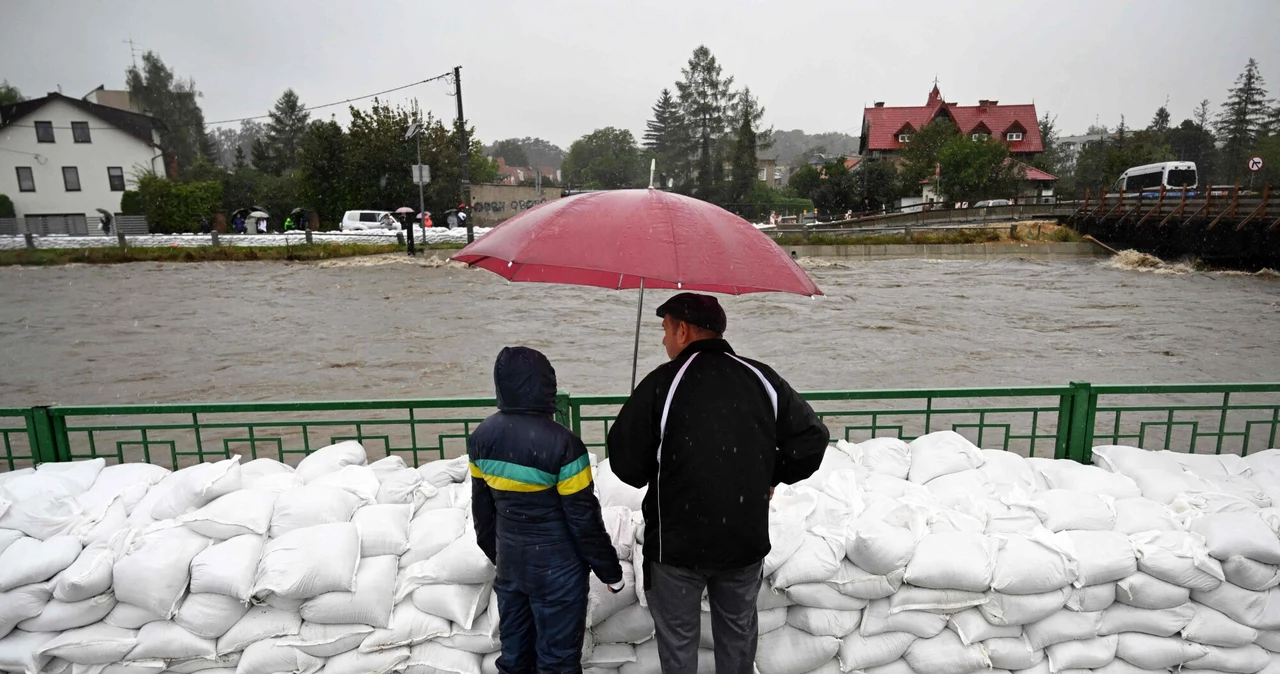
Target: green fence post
point(563, 412)
point(1066, 403)
point(41, 436)
point(1080, 435)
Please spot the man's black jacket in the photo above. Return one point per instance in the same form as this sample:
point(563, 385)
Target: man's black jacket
point(724, 448)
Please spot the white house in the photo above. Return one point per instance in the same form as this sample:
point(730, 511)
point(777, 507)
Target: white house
point(64, 158)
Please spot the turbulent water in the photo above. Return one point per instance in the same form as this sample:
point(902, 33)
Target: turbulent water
point(383, 327)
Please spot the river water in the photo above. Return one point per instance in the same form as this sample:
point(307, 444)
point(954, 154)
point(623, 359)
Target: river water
point(388, 328)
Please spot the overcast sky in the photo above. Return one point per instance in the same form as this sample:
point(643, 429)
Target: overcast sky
point(559, 70)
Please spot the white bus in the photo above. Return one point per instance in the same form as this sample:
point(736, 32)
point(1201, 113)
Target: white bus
point(1172, 175)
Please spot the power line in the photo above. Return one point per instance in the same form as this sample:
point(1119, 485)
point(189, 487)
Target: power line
point(330, 105)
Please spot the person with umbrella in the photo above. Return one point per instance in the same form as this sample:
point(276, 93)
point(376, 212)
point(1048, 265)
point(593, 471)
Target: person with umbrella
point(710, 434)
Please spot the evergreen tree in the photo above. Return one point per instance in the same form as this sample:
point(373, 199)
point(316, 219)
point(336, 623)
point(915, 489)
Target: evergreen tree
point(322, 155)
point(1049, 161)
point(9, 94)
point(1201, 114)
point(283, 134)
point(1242, 120)
point(743, 165)
point(665, 139)
point(239, 162)
point(1160, 123)
point(706, 99)
point(159, 93)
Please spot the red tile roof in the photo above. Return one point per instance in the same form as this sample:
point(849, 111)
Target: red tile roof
point(1033, 173)
point(881, 124)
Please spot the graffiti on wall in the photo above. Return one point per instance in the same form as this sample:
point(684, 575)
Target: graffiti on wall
point(500, 207)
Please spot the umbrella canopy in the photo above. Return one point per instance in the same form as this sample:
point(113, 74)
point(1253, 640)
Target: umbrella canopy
point(638, 238)
point(404, 209)
point(259, 214)
point(242, 212)
point(297, 211)
point(104, 212)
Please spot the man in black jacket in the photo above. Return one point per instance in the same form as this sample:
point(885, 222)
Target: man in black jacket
point(710, 433)
point(537, 519)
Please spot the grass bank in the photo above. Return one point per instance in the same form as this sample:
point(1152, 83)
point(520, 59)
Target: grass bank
point(114, 255)
point(1026, 231)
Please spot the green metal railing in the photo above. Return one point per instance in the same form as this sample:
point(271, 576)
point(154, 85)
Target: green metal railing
point(1058, 421)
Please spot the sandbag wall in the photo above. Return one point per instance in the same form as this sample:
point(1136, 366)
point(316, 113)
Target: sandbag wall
point(932, 557)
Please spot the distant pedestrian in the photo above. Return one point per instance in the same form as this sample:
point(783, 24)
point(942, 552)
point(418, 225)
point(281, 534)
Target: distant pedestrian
point(288, 223)
point(237, 224)
point(205, 228)
point(262, 225)
point(426, 220)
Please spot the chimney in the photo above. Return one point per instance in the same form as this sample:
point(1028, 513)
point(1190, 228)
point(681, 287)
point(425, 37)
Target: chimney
point(879, 104)
point(984, 104)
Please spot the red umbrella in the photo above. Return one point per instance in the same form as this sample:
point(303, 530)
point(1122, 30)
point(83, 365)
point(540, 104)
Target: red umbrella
point(638, 239)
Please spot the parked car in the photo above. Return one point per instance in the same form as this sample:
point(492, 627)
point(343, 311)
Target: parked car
point(361, 220)
point(993, 202)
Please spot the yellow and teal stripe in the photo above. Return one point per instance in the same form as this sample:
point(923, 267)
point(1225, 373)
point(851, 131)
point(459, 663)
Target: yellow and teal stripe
point(575, 477)
point(507, 476)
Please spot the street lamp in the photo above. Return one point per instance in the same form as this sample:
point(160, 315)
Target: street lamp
point(417, 171)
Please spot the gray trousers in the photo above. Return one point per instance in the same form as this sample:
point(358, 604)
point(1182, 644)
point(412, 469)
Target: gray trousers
point(675, 601)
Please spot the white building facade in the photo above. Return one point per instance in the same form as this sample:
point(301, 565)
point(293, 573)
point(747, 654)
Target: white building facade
point(64, 158)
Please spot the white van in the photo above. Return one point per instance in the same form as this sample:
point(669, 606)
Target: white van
point(361, 220)
point(1172, 175)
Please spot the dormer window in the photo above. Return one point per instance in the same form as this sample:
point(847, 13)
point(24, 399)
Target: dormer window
point(980, 136)
point(904, 138)
point(1013, 136)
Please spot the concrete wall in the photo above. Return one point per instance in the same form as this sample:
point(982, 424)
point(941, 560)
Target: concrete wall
point(108, 147)
point(492, 204)
point(966, 251)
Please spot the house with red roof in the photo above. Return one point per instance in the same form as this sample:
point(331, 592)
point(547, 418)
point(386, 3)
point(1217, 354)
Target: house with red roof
point(886, 131)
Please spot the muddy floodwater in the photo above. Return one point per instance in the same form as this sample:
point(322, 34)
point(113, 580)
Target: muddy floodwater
point(387, 328)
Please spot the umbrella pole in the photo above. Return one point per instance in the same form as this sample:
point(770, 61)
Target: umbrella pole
point(635, 353)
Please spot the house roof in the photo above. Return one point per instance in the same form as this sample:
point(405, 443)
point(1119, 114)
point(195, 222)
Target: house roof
point(137, 125)
point(881, 124)
point(1033, 173)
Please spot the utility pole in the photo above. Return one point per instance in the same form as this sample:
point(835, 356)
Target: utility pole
point(464, 155)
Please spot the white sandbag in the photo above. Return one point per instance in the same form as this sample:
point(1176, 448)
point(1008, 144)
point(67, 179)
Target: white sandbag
point(878, 547)
point(1092, 598)
point(1033, 563)
point(1160, 623)
point(105, 523)
point(1073, 476)
point(1102, 556)
point(89, 575)
point(1008, 469)
point(1062, 626)
point(852, 581)
point(220, 664)
point(308, 562)
point(1268, 639)
point(311, 506)
point(817, 560)
point(959, 488)
point(461, 604)
point(973, 628)
point(1136, 515)
point(356, 662)
point(130, 617)
point(911, 598)
point(1013, 609)
point(952, 561)
point(59, 616)
point(359, 480)
point(1241, 660)
point(1249, 574)
point(603, 604)
point(8, 537)
point(127, 481)
point(482, 638)
point(1178, 557)
point(21, 651)
point(270, 656)
point(1241, 534)
point(824, 596)
point(384, 529)
point(1085, 654)
point(941, 453)
point(444, 472)
point(607, 656)
point(228, 567)
point(858, 652)
point(387, 466)
point(404, 487)
point(43, 504)
point(409, 627)
point(1259, 610)
point(432, 658)
point(432, 531)
point(326, 641)
point(154, 570)
point(1168, 487)
point(253, 471)
point(30, 560)
point(461, 563)
point(876, 619)
point(621, 529)
point(820, 622)
point(885, 456)
point(631, 625)
point(79, 475)
point(614, 492)
point(1130, 460)
point(246, 511)
point(1120, 667)
point(1144, 591)
point(1214, 628)
point(260, 622)
point(331, 459)
point(370, 603)
point(945, 654)
point(97, 644)
point(637, 568)
point(1013, 654)
point(169, 641)
point(196, 486)
point(1151, 652)
point(209, 615)
point(791, 651)
point(22, 603)
point(1063, 510)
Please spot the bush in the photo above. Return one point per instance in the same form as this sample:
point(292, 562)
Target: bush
point(6, 207)
point(173, 207)
point(131, 203)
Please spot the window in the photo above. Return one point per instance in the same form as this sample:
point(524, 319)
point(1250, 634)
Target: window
point(1013, 135)
point(115, 176)
point(44, 132)
point(1179, 177)
point(80, 132)
point(904, 138)
point(71, 178)
point(368, 216)
point(980, 136)
point(26, 181)
point(760, 175)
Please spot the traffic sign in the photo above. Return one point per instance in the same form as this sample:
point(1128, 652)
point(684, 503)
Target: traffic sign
point(421, 174)
point(1255, 163)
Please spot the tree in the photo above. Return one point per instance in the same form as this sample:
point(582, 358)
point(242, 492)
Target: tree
point(511, 151)
point(921, 155)
point(1160, 123)
point(6, 206)
point(1050, 161)
point(227, 142)
point(9, 94)
point(537, 152)
point(805, 181)
point(158, 92)
point(705, 97)
point(1190, 141)
point(322, 156)
point(283, 134)
point(603, 159)
point(838, 191)
point(973, 170)
point(877, 183)
point(665, 137)
point(1242, 120)
point(743, 164)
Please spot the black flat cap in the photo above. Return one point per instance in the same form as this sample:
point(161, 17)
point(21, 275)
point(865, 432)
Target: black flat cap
point(701, 310)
